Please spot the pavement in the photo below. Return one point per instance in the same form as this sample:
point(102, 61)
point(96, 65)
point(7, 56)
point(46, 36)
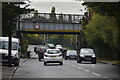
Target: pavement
point(108, 62)
point(8, 72)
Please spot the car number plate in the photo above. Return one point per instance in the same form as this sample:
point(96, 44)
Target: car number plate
point(88, 58)
point(53, 56)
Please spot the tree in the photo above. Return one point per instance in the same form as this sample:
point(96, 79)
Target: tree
point(52, 14)
point(104, 29)
point(61, 17)
point(70, 18)
point(102, 33)
point(36, 15)
point(10, 13)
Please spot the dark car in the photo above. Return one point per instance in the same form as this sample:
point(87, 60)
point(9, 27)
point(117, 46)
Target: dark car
point(86, 54)
point(40, 51)
point(64, 51)
point(71, 54)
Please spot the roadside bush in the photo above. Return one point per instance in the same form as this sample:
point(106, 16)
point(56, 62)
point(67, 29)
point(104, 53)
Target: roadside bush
point(102, 34)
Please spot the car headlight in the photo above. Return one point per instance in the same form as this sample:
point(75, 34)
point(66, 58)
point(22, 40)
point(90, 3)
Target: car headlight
point(67, 55)
point(93, 55)
point(81, 55)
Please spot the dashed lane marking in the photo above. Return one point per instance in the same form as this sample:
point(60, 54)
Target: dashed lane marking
point(95, 74)
point(79, 67)
point(86, 70)
point(106, 77)
point(74, 65)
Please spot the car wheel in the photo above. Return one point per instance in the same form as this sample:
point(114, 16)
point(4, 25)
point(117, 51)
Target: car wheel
point(45, 63)
point(39, 59)
point(78, 61)
point(61, 63)
point(16, 64)
point(65, 58)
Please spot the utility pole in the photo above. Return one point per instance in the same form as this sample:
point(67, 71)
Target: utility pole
point(9, 46)
point(0, 18)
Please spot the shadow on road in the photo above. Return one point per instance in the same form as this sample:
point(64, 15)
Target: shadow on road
point(51, 64)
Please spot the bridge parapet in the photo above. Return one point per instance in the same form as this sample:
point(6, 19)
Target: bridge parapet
point(49, 17)
point(50, 23)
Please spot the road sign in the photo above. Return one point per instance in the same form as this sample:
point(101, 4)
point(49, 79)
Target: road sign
point(37, 26)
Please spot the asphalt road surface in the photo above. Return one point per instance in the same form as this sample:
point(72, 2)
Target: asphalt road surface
point(70, 69)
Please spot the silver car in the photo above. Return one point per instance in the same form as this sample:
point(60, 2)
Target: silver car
point(53, 56)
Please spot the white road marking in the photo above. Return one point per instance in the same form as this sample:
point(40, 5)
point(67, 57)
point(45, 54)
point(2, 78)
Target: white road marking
point(66, 63)
point(96, 74)
point(80, 64)
point(106, 77)
point(79, 67)
point(74, 65)
point(86, 70)
point(89, 71)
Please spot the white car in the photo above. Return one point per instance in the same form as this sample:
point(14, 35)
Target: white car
point(58, 47)
point(53, 56)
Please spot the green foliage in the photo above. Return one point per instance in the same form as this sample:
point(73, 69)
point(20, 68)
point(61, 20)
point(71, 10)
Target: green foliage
point(34, 39)
point(105, 8)
point(10, 13)
point(102, 33)
point(24, 46)
point(103, 30)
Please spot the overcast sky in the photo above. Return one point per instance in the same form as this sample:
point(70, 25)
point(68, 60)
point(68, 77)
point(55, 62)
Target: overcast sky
point(64, 6)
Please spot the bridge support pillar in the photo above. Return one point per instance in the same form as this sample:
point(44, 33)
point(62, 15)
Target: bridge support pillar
point(78, 45)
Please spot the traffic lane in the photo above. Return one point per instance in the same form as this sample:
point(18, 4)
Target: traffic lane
point(31, 49)
point(105, 70)
point(35, 69)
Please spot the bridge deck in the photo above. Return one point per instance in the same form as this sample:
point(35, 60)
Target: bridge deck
point(50, 23)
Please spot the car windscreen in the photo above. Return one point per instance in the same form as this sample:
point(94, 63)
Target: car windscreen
point(86, 51)
point(53, 51)
point(50, 45)
point(4, 45)
point(71, 52)
point(59, 46)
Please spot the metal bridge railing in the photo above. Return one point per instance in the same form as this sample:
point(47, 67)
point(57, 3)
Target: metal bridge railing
point(52, 17)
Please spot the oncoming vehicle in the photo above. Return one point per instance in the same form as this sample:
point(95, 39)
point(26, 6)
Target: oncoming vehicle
point(53, 56)
point(71, 54)
point(15, 52)
point(86, 54)
point(51, 46)
point(59, 47)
